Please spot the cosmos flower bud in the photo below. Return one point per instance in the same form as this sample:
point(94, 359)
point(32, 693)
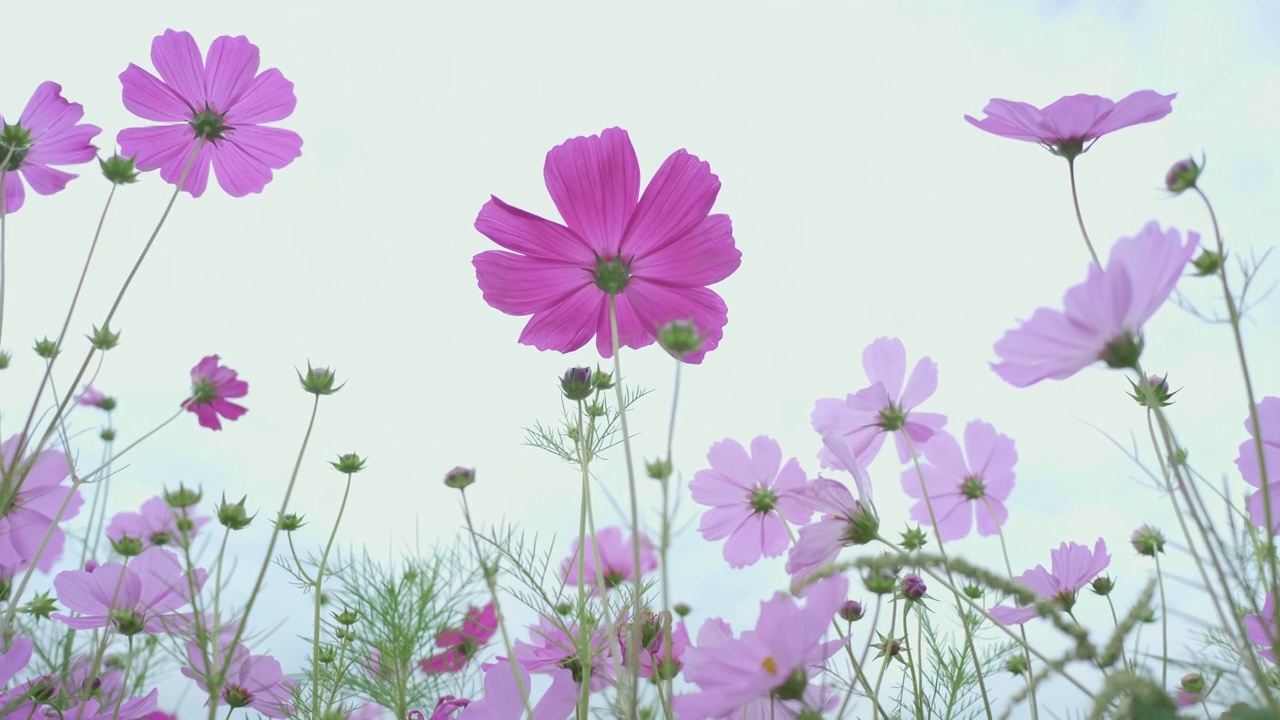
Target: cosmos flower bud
point(602, 379)
point(327, 654)
point(107, 434)
point(1209, 263)
point(234, 517)
point(127, 546)
point(347, 617)
point(679, 337)
point(1147, 541)
point(348, 464)
point(973, 592)
point(290, 522)
point(913, 588)
point(1017, 664)
point(41, 606)
point(658, 469)
point(913, 539)
point(5, 357)
point(682, 609)
point(459, 477)
point(119, 170)
point(880, 582)
point(1102, 585)
point(46, 349)
point(103, 339)
point(1192, 682)
point(1182, 176)
point(851, 611)
point(183, 497)
point(1153, 393)
point(318, 381)
point(577, 383)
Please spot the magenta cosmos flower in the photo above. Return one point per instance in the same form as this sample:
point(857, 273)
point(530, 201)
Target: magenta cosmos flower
point(38, 496)
point(749, 495)
point(1103, 316)
point(655, 255)
point(1251, 471)
point(773, 663)
point(502, 701)
point(142, 596)
point(211, 386)
point(617, 561)
point(47, 133)
point(252, 681)
point(1073, 567)
point(156, 525)
point(961, 489)
point(1064, 126)
point(461, 644)
point(1261, 629)
point(886, 406)
point(221, 100)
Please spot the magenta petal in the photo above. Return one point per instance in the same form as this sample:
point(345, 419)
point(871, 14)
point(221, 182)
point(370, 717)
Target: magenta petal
point(657, 305)
point(718, 523)
point(568, 325)
point(1006, 615)
point(523, 285)
point(146, 96)
point(678, 197)
point(1011, 119)
point(703, 256)
point(594, 182)
point(14, 194)
point(1074, 117)
point(269, 98)
point(47, 111)
point(176, 57)
point(229, 69)
point(1143, 106)
point(745, 545)
point(634, 331)
point(524, 232)
point(46, 180)
point(167, 147)
point(991, 514)
point(244, 160)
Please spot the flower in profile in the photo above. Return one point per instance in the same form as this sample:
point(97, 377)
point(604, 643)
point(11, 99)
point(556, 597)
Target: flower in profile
point(156, 524)
point(1251, 471)
point(959, 489)
point(845, 522)
point(447, 708)
point(30, 505)
point(1064, 126)
point(461, 644)
point(143, 596)
point(1261, 629)
point(1073, 567)
point(886, 406)
point(252, 681)
point(653, 656)
point(749, 495)
point(773, 663)
point(93, 397)
point(502, 701)
point(1103, 316)
point(211, 387)
point(91, 709)
point(617, 561)
point(554, 652)
point(1191, 690)
point(48, 133)
point(654, 255)
point(218, 102)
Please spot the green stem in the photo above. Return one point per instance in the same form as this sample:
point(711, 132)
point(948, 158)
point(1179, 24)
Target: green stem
point(1075, 202)
point(1164, 626)
point(319, 586)
point(1004, 549)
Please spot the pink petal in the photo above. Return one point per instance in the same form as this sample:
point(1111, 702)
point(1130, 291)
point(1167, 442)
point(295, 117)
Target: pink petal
point(1073, 117)
point(594, 182)
point(1143, 106)
point(243, 160)
point(746, 543)
point(1152, 262)
point(656, 305)
point(269, 98)
point(526, 233)
point(176, 57)
point(146, 96)
point(1015, 120)
point(14, 194)
point(208, 418)
point(229, 69)
point(633, 331)
point(922, 384)
point(168, 148)
point(730, 460)
point(954, 514)
point(228, 410)
point(1048, 346)
point(721, 522)
point(885, 361)
point(569, 324)
point(991, 514)
point(523, 285)
point(766, 459)
point(677, 199)
point(46, 180)
point(703, 256)
point(708, 487)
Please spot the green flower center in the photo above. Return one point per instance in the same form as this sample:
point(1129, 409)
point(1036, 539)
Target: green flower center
point(160, 538)
point(763, 500)
point(14, 144)
point(613, 579)
point(973, 488)
point(203, 392)
point(612, 275)
point(236, 696)
point(209, 125)
point(1069, 148)
point(1122, 352)
point(892, 418)
point(794, 687)
point(127, 622)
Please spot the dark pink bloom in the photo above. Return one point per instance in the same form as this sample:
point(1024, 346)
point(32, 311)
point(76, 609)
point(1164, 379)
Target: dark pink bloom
point(447, 708)
point(780, 657)
point(657, 254)
point(502, 701)
point(863, 419)
point(749, 496)
point(616, 560)
point(211, 386)
point(1069, 122)
point(253, 681)
point(960, 489)
point(1073, 567)
point(29, 517)
point(461, 644)
point(1261, 629)
point(1251, 471)
point(221, 99)
point(47, 133)
point(142, 596)
point(156, 525)
point(1103, 316)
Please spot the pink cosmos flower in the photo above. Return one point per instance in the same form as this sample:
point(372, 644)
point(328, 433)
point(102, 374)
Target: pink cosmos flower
point(960, 489)
point(37, 501)
point(774, 662)
point(1261, 629)
point(886, 406)
point(142, 596)
point(1103, 315)
point(447, 708)
point(844, 522)
point(47, 133)
point(656, 255)
point(654, 654)
point(15, 659)
point(253, 681)
point(211, 386)
point(91, 709)
point(554, 652)
point(156, 525)
point(222, 100)
point(463, 643)
point(749, 496)
point(502, 701)
point(1251, 471)
point(93, 397)
point(1073, 567)
point(616, 560)
point(1064, 126)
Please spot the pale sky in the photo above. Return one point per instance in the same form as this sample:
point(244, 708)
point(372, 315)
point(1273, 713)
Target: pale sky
point(862, 202)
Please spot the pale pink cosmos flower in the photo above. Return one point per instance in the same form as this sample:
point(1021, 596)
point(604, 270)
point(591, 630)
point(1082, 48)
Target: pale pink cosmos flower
point(844, 522)
point(222, 100)
point(1251, 471)
point(93, 397)
point(616, 560)
point(1073, 567)
point(15, 659)
point(142, 596)
point(886, 406)
point(656, 254)
point(1261, 629)
point(91, 709)
point(654, 655)
point(461, 644)
point(961, 489)
point(502, 701)
point(749, 496)
point(1103, 316)
point(47, 133)
point(773, 663)
point(1064, 126)
point(252, 681)
point(156, 524)
point(369, 711)
point(554, 652)
point(211, 387)
point(28, 518)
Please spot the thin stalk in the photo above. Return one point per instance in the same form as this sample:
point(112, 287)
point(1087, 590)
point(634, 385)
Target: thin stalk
point(1164, 626)
point(1004, 549)
point(319, 583)
point(1075, 202)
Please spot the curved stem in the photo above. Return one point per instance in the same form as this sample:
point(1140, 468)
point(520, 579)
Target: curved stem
point(1075, 202)
point(318, 584)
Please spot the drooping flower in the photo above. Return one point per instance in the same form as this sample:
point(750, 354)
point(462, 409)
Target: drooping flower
point(461, 644)
point(1064, 126)
point(845, 522)
point(774, 663)
point(156, 524)
point(142, 596)
point(1103, 316)
point(48, 133)
point(211, 387)
point(886, 406)
point(961, 489)
point(1073, 567)
point(1191, 690)
point(655, 255)
point(1251, 471)
point(221, 100)
point(617, 560)
point(502, 701)
point(28, 505)
point(749, 496)
point(1261, 629)
point(252, 681)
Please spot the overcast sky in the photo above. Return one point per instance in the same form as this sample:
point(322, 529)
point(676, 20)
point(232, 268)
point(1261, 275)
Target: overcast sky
point(862, 202)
